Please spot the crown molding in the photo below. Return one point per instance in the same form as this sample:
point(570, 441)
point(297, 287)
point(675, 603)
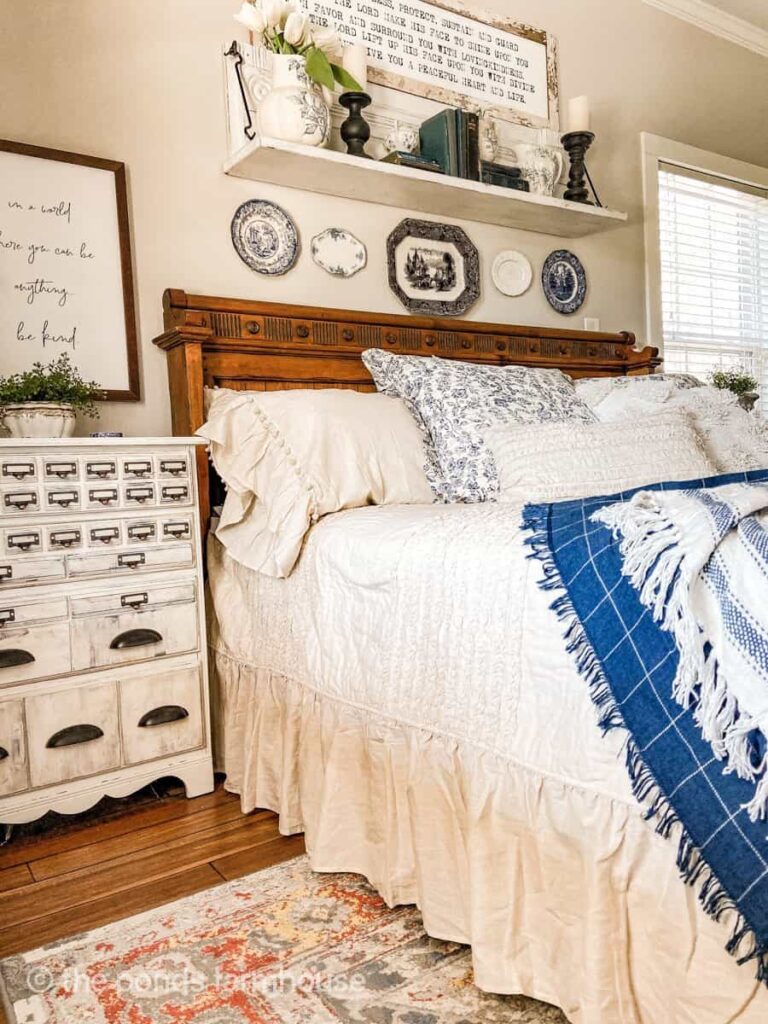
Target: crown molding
point(710, 18)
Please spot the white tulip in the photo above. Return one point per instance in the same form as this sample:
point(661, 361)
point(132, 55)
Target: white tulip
point(295, 30)
point(326, 39)
point(274, 11)
point(251, 17)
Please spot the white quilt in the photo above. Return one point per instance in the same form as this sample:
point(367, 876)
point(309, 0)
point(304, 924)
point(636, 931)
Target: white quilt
point(405, 697)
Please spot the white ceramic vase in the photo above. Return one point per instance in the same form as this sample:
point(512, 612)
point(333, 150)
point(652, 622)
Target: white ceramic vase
point(39, 419)
point(542, 167)
point(294, 109)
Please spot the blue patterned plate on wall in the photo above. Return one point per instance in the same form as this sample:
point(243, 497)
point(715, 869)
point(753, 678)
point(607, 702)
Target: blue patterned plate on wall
point(564, 281)
point(264, 236)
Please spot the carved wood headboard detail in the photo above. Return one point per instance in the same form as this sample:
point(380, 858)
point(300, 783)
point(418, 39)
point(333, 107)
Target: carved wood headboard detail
point(263, 346)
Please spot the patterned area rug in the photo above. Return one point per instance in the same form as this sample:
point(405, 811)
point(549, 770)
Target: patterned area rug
point(283, 946)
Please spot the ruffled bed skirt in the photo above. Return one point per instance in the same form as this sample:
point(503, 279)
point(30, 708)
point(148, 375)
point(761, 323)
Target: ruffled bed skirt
point(563, 894)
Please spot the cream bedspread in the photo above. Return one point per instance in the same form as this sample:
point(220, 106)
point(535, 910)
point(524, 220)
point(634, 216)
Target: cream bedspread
point(405, 698)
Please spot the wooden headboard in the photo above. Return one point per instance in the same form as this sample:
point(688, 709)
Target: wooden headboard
point(264, 346)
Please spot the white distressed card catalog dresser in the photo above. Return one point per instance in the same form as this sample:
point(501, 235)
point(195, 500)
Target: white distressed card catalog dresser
point(103, 674)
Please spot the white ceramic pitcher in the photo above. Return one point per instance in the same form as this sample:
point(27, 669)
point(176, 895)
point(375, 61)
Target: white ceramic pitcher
point(542, 167)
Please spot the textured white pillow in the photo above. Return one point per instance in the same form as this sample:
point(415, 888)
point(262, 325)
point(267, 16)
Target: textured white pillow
point(560, 461)
point(290, 457)
point(734, 439)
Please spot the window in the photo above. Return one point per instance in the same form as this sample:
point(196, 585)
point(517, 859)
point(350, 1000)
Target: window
point(708, 303)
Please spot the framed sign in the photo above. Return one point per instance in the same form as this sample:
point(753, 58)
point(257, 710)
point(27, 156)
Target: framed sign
point(66, 283)
point(444, 51)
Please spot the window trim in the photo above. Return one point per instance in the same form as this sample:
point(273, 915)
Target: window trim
point(655, 151)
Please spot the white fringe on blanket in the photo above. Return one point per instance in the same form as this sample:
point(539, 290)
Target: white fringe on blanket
point(699, 561)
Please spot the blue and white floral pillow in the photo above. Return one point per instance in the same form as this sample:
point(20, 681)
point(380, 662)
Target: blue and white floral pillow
point(456, 402)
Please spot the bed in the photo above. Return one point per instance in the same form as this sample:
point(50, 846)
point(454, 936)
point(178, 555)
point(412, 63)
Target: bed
point(446, 749)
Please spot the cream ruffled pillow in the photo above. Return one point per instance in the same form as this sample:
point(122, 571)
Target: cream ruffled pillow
point(290, 457)
point(561, 461)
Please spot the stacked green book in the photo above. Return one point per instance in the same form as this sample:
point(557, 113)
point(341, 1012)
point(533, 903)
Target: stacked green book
point(451, 139)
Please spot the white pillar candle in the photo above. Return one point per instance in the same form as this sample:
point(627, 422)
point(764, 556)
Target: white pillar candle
point(578, 114)
point(354, 59)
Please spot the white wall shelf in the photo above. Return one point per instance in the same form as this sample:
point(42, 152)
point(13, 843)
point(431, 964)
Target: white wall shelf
point(337, 174)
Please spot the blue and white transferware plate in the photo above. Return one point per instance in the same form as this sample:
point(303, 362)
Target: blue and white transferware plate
point(338, 252)
point(265, 237)
point(564, 281)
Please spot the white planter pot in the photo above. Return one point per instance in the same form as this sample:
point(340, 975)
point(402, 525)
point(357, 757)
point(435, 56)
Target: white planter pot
point(294, 109)
point(39, 419)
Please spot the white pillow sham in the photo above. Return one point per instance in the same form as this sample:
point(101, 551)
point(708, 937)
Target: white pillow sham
point(290, 457)
point(734, 439)
point(562, 461)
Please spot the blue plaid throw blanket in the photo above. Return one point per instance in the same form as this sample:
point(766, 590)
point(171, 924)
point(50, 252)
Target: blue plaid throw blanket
point(631, 661)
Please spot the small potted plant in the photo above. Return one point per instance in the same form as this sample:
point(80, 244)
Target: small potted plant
point(43, 401)
point(739, 382)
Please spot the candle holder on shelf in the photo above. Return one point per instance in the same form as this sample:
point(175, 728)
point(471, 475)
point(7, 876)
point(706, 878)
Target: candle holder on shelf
point(576, 145)
point(355, 130)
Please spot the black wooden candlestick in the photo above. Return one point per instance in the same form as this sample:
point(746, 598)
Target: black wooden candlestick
point(576, 145)
point(355, 131)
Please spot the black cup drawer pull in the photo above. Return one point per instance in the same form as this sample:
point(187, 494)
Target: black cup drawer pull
point(141, 532)
point(14, 656)
point(73, 735)
point(135, 638)
point(7, 615)
point(3, 753)
point(163, 715)
point(6, 572)
point(131, 561)
point(138, 468)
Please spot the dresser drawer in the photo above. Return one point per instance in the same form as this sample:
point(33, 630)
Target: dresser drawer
point(60, 468)
point(18, 468)
point(18, 500)
point(101, 495)
point(137, 467)
point(72, 733)
point(161, 714)
point(30, 570)
point(13, 753)
point(34, 640)
point(173, 467)
point(22, 540)
point(62, 498)
point(124, 625)
point(126, 562)
point(64, 537)
point(175, 494)
point(102, 467)
point(104, 533)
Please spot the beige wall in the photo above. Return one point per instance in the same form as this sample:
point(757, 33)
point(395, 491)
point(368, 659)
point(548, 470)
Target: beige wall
point(141, 81)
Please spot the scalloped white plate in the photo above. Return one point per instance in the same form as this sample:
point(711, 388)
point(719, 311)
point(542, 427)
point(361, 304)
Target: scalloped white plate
point(338, 252)
point(512, 272)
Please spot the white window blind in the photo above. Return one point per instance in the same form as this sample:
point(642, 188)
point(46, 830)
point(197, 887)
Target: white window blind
point(714, 274)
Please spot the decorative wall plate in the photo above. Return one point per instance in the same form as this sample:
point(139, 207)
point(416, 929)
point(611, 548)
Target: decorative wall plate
point(433, 268)
point(564, 281)
point(338, 252)
point(264, 236)
point(512, 272)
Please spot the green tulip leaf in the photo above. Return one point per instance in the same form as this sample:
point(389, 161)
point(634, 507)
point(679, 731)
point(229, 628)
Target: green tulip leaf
point(345, 80)
point(319, 68)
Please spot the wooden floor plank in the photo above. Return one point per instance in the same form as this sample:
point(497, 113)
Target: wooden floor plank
point(23, 850)
point(31, 902)
point(274, 851)
point(132, 842)
point(108, 909)
point(12, 878)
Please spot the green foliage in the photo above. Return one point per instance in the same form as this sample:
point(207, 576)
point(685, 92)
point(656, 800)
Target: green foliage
point(737, 380)
point(345, 80)
point(319, 68)
point(59, 381)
